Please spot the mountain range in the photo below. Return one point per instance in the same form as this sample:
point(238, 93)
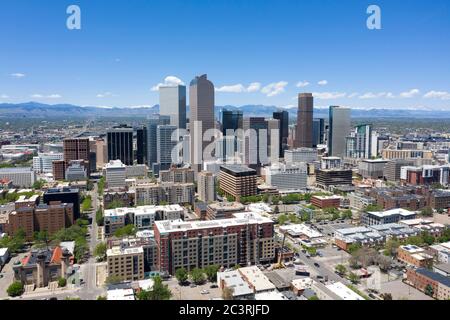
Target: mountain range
point(39, 110)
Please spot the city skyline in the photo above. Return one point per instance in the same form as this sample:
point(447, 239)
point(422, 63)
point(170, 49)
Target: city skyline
point(118, 61)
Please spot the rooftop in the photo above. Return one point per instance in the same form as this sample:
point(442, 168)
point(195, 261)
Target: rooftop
point(256, 278)
point(434, 276)
point(239, 219)
point(233, 279)
point(344, 292)
point(401, 212)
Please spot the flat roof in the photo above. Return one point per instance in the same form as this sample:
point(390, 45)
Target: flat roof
point(270, 296)
point(434, 276)
point(117, 251)
point(233, 279)
point(239, 219)
point(120, 294)
point(399, 211)
point(299, 229)
point(443, 267)
point(343, 291)
point(256, 278)
point(142, 210)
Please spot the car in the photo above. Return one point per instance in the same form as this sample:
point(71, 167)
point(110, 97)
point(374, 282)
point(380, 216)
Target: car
point(213, 286)
point(204, 292)
point(193, 285)
point(317, 265)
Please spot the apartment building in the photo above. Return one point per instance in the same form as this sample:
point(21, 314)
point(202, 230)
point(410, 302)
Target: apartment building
point(177, 175)
point(126, 264)
point(389, 216)
point(372, 169)
point(237, 181)
point(324, 202)
point(307, 155)
point(223, 210)
point(407, 154)
point(425, 175)
point(424, 279)
point(414, 256)
point(172, 193)
point(43, 162)
point(247, 238)
point(292, 176)
point(206, 186)
point(330, 178)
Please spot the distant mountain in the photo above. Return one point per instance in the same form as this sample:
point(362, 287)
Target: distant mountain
point(39, 110)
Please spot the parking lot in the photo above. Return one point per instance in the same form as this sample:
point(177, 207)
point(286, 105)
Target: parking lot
point(7, 275)
point(402, 291)
point(202, 292)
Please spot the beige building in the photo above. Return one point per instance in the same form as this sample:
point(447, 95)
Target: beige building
point(126, 263)
point(407, 154)
point(206, 186)
point(237, 181)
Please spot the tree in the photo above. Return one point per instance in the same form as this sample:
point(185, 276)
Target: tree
point(227, 293)
point(211, 272)
point(159, 291)
point(128, 230)
point(373, 208)
point(15, 289)
point(312, 298)
point(100, 251)
point(276, 210)
point(427, 212)
point(38, 184)
point(102, 298)
point(283, 219)
point(341, 269)
point(353, 277)
point(62, 282)
point(197, 276)
point(86, 205)
point(181, 275)
point(99, 217)
point(353, 248)
point(427, 238)
point(429, 291)
point(101, 185)
point(347, 214)
point(386, 296)
point(115, 204)
point(391, 246)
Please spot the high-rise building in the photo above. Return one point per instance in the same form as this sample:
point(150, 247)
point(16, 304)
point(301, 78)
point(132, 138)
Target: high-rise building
point(64, 195)
point(339, 129)
point(273, 131)
point(256, 142)
point(141, 152)
point(201, 103)
point(77, 149)
point(120, 144)
point(283, 118)
point(237, 181)
point(43, 162)
point(359, 143)
point(232, 120)
point(206, 186)
point(115, 173)
point(318, 132)
point(172, 103)
point(152, 137)
point(304, 133)
point(165, 145)
point(102, 153)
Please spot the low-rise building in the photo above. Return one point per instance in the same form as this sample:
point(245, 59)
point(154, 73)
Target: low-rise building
point(372, 169)
point(443, 268)
point(233, 280)
point(359, 201)
point(329, 178)
point(256, 279)
point(223, 210)
point(389, 216)
point(20, 177)
point(324, 202)
point(414, 255)
point(441, 252)
point(305, 235)
point(290, 176)
point(429, 282)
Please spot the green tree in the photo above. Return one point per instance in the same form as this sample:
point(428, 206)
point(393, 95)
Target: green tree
point(62, 282)
point(429, 291)
point(159, 292)
point(101, 185)
point(86, 205)
point(347, 214)
point(38, 184)
point(354, 278)
point(282, 219)
point(373, 208)
point(427, 212)
point(197, 276)
point(128, 230)
point(427, 238)
point(211, 272)
point(181, 275)
point(102, 298)
point(113, 279)
point(100, 251)
point(353, 247)
point(312, 298)
point(391, 246)
point(99, 217)
point(341, 269)
point(115, 204)
point(15, 289)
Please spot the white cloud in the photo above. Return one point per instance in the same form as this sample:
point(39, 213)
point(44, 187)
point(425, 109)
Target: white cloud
point(275, 88)
point(444, 95)
point(370, 95)
point(254, 87)
point(4, 96)
point(50, 96)
point(168, 81)
point(237, 88)
point(410, 94)
point(289, 106)
point(240, 88)
point(302, 84)
point(353, 95)
point(105, 94)
point(322, 83)
point(18, 75)
point(329, 95)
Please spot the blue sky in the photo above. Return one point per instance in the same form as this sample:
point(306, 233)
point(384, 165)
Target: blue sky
point(255, 51)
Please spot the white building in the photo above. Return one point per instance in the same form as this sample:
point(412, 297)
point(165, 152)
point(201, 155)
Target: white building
point(307, 155)
point(256, 278)
point(206, 186)
point(115, 173)
point(43, 162)
point(330, 163)
point(136, 171)
point(120, 294)
point(292, 176)
point(20, 177)
point(76, 171)
point(343, 291)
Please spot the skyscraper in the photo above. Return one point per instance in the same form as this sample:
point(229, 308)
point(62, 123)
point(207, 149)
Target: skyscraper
point(256, 142)
point(141, 153)
point(201, 103)
point(359, 143)
point(77, 149)
point(231, 122)
point(153, 122)
point(304, 131)
point(165, 145)
point(172, 103)
point(120, 144)
point(318, 131)
point(339, 129)
point(283, 118)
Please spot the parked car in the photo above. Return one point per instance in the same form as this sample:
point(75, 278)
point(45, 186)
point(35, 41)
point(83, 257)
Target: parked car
point(317, 265)
point(214, 286)
point(204, 292)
